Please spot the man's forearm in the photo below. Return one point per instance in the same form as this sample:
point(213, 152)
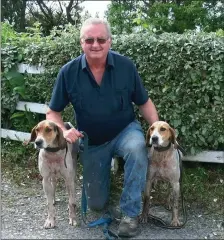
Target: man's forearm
point(55, 117)
point(149, 112)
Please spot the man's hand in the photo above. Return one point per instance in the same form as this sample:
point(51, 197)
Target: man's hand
point(72, 135)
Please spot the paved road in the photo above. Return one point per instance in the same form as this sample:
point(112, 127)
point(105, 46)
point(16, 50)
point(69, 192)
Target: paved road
point(24, 212)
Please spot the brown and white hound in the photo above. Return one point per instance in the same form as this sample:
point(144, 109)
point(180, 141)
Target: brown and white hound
point(163, 165)
point(56, 158)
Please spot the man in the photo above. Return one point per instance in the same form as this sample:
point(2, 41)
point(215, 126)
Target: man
point(102, 85)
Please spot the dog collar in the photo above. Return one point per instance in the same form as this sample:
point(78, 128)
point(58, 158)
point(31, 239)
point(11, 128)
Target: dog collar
point(161, 149)
point(49, 149)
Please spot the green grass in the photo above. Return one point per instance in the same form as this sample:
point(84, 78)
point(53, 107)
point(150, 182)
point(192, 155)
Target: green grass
point(203, 183)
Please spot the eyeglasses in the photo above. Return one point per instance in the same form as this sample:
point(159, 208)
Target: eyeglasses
point(92, 40)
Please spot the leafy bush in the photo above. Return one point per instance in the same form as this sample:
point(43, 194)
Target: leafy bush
point(183, 74)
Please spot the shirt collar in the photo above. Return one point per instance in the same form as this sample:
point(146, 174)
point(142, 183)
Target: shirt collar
point(110, 60)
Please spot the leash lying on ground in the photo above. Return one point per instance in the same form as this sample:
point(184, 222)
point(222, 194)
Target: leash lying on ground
point(106, 218)
point(158, 221)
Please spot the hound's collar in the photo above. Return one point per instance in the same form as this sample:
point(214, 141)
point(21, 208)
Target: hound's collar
point(162, 149)
point(51, 149)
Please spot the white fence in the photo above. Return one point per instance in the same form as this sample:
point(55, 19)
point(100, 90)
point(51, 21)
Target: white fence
point(23, 106)
point(205, 156)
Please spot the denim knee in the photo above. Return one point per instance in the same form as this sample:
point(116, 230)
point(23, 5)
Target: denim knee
point(136, 148)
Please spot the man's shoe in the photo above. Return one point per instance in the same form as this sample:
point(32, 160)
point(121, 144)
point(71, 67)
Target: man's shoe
point(115, 212)
point(128, 227)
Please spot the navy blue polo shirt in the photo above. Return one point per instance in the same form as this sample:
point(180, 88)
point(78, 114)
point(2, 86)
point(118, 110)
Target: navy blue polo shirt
point(101, 111)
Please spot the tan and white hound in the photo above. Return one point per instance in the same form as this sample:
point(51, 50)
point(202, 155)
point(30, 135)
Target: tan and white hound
point(163, 165)
point(56, 158)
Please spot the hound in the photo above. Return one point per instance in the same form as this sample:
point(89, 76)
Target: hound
point(55, 158)
point(163, 165)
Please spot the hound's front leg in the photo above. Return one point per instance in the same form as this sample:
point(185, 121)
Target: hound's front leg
point(49, 190)
point(53, 182)
point(145, 211)
point(176, 192)
point(70, 185)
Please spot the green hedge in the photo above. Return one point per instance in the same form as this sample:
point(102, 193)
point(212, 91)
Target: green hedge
point(184, 76)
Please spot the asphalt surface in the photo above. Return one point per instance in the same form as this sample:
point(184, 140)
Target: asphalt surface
point(24, 212)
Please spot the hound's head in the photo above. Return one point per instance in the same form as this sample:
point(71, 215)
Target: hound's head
point(47, 134)
point(160, 134)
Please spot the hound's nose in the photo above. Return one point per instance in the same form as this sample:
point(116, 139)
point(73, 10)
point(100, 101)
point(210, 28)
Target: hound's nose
point(39, 143)
point(155, 139)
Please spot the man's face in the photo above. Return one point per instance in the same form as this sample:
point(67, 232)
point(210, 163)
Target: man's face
point(95, 42)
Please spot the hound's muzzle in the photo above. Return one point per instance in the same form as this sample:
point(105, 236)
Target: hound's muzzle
point(39, 143)
point(155, 139)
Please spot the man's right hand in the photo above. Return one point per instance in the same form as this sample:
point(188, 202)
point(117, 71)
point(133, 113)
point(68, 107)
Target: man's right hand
point(72, 135)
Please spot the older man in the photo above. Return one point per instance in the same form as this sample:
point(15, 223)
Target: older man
point(102, 85)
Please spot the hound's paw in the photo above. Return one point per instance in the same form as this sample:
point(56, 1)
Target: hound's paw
point(49, 223)
point(175, 223)
point(72, 222)
point(143, 218)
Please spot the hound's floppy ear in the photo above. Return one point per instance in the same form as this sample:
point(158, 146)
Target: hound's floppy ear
point(33, 135)
point(60, 138)
point(147, 138)
point(173, 137)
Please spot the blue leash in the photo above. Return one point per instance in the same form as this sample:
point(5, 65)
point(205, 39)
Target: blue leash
point(106, 219)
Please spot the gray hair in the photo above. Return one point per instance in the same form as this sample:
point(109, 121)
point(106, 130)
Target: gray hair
point(95, 21)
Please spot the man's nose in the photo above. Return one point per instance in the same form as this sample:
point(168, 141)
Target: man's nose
point(95, 43)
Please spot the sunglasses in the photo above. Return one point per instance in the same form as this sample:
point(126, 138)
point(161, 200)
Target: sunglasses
point(92, 40)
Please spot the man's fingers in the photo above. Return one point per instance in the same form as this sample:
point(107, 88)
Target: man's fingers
point(78, 134)
point(81, 135)
point(68, 140)
point(72, 135)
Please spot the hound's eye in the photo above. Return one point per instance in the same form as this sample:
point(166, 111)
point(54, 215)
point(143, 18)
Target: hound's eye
point(48, 130)
point(162, 129)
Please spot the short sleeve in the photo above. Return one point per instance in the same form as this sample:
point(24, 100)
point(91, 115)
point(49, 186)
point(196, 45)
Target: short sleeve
point(59, 99)
point(139, 94)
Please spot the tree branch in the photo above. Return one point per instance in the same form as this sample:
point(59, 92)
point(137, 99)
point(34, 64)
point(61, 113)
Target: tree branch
point(47, 14)
point(69, 9)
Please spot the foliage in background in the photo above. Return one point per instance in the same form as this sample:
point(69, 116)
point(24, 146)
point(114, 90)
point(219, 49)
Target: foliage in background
point(165, 16)
point(183, 73)
point(184, 77)
point(124, 16)
point(23, 14)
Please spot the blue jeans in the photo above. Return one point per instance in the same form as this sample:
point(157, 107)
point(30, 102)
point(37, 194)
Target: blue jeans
point(130, 145)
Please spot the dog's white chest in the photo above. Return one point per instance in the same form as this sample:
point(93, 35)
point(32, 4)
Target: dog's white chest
point(164, 167)
point(160, 170)
point(51, 163)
